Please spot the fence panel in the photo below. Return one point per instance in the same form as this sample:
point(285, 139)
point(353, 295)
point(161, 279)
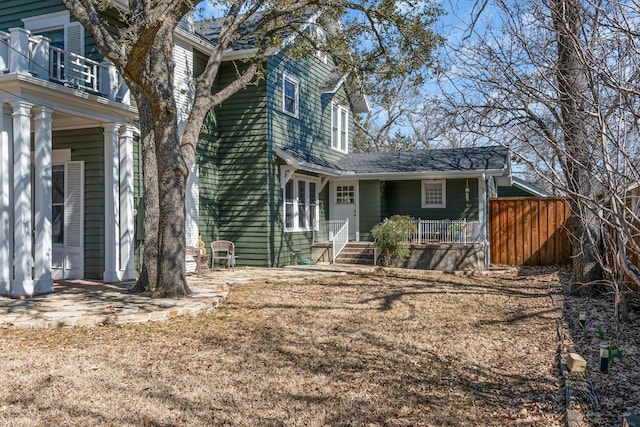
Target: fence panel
point(529, 231)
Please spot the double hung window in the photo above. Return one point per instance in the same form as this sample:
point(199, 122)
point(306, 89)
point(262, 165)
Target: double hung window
point(301, 204)
point(339, 128)
point(290, 95)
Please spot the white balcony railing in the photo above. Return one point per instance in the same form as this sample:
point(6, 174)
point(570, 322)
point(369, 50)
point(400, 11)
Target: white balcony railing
point(25, 54)
point(446, 231)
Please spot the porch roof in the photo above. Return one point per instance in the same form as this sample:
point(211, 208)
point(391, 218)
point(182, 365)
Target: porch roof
point(444, 162)
point(493, 159)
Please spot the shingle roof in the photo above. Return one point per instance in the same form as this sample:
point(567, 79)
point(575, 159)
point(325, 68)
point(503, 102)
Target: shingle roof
point(415, 161)
point(440, 160)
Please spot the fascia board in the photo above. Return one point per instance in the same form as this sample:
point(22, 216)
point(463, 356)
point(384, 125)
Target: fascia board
point(394, 176)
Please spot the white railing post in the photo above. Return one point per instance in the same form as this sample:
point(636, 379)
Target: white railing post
point(19, 51)
point(40, 55)
point(108, 80)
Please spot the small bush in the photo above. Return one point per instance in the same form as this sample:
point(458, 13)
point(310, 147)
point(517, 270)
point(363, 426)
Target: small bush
point(390, 238)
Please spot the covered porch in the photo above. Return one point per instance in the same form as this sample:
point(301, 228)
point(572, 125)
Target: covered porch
point(66, 168)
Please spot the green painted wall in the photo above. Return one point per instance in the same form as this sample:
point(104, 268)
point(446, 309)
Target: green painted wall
point(311, 130)
point(370, 207)
point(242, 200)
point(404, 198)
point(512, 191)
point(87, 145)
point(208, 186)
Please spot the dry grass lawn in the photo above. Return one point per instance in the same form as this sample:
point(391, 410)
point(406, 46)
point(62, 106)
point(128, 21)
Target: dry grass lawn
point(397, 348)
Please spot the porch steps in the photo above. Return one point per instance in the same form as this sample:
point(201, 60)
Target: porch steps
point(357, 253)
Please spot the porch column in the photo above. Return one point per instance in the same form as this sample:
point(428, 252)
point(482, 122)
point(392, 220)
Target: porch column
point(19, 51)
point(483, 202)
point(127, 220)
point(111, 203)
point(42, 193)
point(22, 226)
point(6, 214)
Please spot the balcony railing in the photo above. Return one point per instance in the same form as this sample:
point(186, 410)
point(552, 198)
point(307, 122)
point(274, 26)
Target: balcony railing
point(446, 231)
point(22, 53)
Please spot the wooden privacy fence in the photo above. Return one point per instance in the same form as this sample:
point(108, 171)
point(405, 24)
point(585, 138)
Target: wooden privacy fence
point(529, 231)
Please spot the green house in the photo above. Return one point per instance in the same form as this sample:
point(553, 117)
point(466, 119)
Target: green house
point(277, 175)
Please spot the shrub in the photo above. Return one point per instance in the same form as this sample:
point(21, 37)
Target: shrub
point(390, 237)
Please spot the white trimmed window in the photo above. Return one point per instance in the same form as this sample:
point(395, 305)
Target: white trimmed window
point(290, 95)
point(434, 193)
point(339, 128)
point(301, 204)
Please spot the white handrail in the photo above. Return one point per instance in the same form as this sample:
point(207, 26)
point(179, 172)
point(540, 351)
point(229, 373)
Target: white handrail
point(340, 240)
point(444, 231)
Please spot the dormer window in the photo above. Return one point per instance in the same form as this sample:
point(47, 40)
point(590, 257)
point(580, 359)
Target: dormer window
point(290, 95)
point(339, 128)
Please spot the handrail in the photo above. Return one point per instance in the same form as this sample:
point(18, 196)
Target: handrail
point(76, 70)
point(340, 240)
point(443, 231)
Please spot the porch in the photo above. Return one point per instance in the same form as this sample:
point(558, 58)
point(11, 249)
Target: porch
point(66, 167)
point(444, 245)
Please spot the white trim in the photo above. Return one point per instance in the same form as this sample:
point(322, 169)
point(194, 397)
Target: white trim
point(49, 21)
point(295, 179)
point(289, 78)
point(443, 186)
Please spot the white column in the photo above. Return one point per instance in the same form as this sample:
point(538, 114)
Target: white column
point(42, 199)
point(19, 51)
point(111, 203)
point(483, 203)
point(22, 227)
point(127, 220)
point(6, 213)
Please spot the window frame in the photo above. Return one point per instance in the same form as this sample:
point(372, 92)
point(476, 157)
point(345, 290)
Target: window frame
point(339, 128)
point(443, 189)
point(287, 78)
point(305, 213)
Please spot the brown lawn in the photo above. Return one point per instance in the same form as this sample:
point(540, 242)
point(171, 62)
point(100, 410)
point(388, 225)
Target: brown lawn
point(397, 348)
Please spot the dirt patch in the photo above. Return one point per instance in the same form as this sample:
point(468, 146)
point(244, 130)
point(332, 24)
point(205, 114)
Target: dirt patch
point(396, 348)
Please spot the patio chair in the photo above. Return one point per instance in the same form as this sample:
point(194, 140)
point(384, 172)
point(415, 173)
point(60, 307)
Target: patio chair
point(225, 251)
point(199, 256)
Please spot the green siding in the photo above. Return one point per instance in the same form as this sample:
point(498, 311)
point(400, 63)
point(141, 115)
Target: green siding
point(404, 198)
point(87, 145)
point(310, 132)
point(208, 182)
point(12, 11)
point(243, 168)
point(370, 207)
point(512, 191)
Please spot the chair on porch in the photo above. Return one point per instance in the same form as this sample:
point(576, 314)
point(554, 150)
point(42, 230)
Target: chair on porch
point(223, 250)
point(199, 256)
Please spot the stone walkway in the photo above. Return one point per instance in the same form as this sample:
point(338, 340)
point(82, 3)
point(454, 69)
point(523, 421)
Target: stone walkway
point(86, 303)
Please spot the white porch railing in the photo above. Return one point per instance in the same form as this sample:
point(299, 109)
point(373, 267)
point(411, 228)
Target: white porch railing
point(340, 240)
point(25, 54)
point(446, 231)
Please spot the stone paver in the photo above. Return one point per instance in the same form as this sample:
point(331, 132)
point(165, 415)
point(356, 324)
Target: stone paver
point(84, 303)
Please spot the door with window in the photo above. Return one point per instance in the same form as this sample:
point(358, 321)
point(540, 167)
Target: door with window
point(67, 220)
point(344, 205)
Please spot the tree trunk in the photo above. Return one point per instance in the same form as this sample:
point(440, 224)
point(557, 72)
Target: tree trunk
point(172, 180)
point(572, 84)
point(148, 278)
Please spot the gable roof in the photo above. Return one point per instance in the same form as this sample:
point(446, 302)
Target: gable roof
point(493, 160)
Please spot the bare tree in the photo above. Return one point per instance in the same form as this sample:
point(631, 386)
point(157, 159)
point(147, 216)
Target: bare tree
point(399, 43)
point(558, 82)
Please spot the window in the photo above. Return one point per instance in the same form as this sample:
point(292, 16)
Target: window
point(345, 195)
point(57, 204)
point(339, 128)
point(300, 204)
point(290, 95)
point(434, 193)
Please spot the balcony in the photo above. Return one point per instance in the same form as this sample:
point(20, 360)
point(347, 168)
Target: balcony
point(22, 53)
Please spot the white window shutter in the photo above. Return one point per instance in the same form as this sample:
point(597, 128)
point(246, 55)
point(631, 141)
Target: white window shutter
point(74, 204)
point(74, 43)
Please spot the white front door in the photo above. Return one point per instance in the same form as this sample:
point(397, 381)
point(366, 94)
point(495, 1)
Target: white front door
point(344, 204)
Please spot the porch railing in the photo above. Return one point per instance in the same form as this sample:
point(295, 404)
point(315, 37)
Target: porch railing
point(25, 54)
point(446, 231)
point(340, 240)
